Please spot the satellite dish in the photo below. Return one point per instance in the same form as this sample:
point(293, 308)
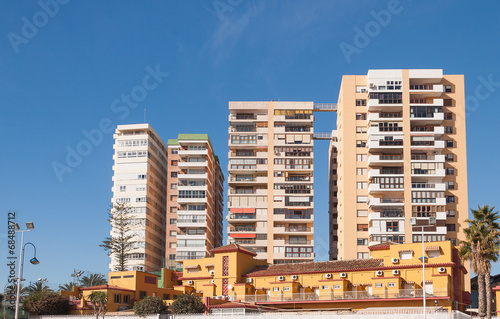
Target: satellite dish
point(229, 286)
point(413, 221)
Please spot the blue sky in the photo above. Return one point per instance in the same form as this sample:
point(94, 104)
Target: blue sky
point(73, 69)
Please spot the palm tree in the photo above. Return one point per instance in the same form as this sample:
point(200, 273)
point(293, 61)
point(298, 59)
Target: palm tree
point(481, 247)
point(38, 286)
point(93, 280)
point(67, 287)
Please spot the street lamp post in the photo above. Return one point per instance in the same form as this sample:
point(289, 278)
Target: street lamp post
point(413, 222)
point(30, 226)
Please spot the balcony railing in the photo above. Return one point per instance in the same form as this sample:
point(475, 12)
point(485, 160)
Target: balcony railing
point(391, 171)
point(242, 229)
point(390, 115)
point(244, 117)
point(243, 241)
point(390, 129)
point(391, 157)
point(241, 216)
point(391, 200)
point(297, 216)
point(426, 87)
point(295, 229)
point(422, 143)
point(392, 213)
point(423, 157)
point(298, 117)
point(422, 185)
point(298, 242)
point(297, 129)
point(350, 295)
point(390, 143)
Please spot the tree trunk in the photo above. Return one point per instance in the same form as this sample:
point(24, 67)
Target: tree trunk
point(480, 291)
point(488, 294)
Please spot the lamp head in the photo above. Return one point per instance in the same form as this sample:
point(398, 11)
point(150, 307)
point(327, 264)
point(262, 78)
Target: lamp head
point(30, 225)
point(16, 226)
point(34, 261)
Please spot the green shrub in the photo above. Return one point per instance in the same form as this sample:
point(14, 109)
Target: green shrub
point(46, 303)
point(187, 303)
point(150, 306)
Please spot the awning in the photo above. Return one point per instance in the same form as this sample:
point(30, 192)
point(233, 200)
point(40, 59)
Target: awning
point(191, 266)
point(242, 210)
point(209, 265)
point(428, 281)
point(432, 248)
point(363, 284)
point(242, 235)
point(405, 251)
point(410, 282)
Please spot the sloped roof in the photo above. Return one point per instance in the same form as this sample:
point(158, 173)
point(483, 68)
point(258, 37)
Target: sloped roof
point(315, 267)
point(232, 248)
point(382, 246)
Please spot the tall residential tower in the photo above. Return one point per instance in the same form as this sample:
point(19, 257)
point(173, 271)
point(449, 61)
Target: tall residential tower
point(271, 179)
point(401, 160)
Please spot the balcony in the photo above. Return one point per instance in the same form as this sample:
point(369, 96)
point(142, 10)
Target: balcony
point(428, 158)
point(427, 130)
point(379, 105)
point(427, 102)
point(192, 176)
point(378, 188)
point(376, 117)
point(241, 217)
point(249, 180)
point(427, 89)
point(375, 201)
point(385, 144)
point(387, 213)
point(385, 130)
point(429, 186)
point(377, 294)
point(427, 118)
point(241, 229)
point(192, 164)
point(191, 222)
point(295, 230)
point(385, 159)
point(183, 152)
point(435, 145)
point(385, 172)
point(440, 172)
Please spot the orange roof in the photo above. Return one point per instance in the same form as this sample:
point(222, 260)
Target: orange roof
point(315, 267)
point(382, 246)
point(232, 248)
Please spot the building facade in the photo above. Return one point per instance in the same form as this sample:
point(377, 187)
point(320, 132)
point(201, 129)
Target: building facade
point(195, 198)
point(139, 182)
point(270, 196)
point(401, 160)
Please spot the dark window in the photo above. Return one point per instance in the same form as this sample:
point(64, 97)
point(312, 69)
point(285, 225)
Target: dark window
point(173, 174)
point(447, 102)
point(118, 298)
point(450, 171)
point(126, 299)
point(362, 227)
point(360, 102)
point(450, 199)
point(360, 116)
point(142, 294)
point(449, 143)
point(450, 227)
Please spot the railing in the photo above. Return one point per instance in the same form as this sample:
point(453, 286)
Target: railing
point(295, 229)
point(423, 157)
point(422, 87)
point(244, 117)
point(243, 241)
point(297, 216)
point(297, 129)
point(390, 115)
point(422, 129)
point(390, 157)
point(242, 216)
point(243, 129)
point(391, 171)
point(298, 242)
point(392, 213)
point(422, 185)
point(423, 114)
point(298, 117)
point(422, 143)
point(392, 200)
point(350, 295)
point(322, 135)
point(390, 143)
point(243, 191)
point(418, 171)
point(297, 178)
point(390, 129)
point(191, 220)
point(242, 229)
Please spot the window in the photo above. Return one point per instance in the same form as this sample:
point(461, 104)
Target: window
point(361, 171)
point(407, 254)
point(126, 299)
point(118, 298)
point(449, 157)
point(361, 157)
point(325, 287)
point(173, 233)
point(123, 188)
point(361, 185)
point(392, 226)
point(449, 143)
point(448, 129)
point(171, 257)
point(450, 199)
point(166, 296)
point(175, 151)
point(362, 199)
point(173, 209)
point(360, 102)
point(336, 286)
point(362, 241)
point(450, 171)
point(362, 213)
point(172, 245)
point(450, 227)
point(173, 186)
point(174, 162)
point(447, 88)
point(360, 129)
point(360, 143)
point(450, 185)
point(286, 288)
point(173, 174)
point(362, 227)
point(391, 284)
point(450, 213)
point(173, 221)
point(362, 255)
point(142, 294)
point(276, 289)
point(378, 285)
point(360, 89)
point(140, 177)
point(360, 116)
point(434, 254)
point(448, 116)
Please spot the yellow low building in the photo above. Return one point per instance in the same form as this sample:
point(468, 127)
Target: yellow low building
point(124, 289)
point(392, 277)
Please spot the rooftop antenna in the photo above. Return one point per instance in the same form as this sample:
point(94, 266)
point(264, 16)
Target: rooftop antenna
point(144, 115)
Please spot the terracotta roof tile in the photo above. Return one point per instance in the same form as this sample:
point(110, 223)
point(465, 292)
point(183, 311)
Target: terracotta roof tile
point(382, 246)
point(315, 267)
point(232, 248)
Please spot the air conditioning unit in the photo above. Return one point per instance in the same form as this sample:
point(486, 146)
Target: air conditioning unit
point(328, 276)
point(212, 272)
point(343, 275)
point(281, 278)
point(441, 269)
point(295, 277)
point(379, 273)
point(249, 280)
point(395, 260)
point(190, 282)
point(395, 272)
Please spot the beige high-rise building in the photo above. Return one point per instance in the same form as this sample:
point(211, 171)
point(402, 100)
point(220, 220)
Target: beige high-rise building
point(271, 179)
point(400, 160)
point(140, 180)
point(195, 199)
